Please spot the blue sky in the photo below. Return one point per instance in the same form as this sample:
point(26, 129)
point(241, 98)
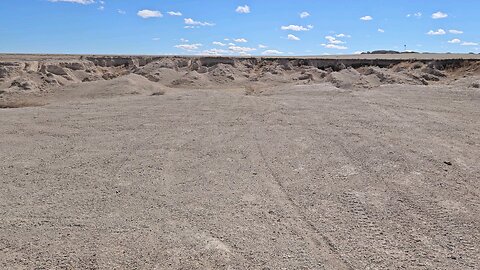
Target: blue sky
point(234, 27)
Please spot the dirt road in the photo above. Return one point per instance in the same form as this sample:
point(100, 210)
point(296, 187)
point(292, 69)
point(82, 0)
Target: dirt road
point(305, 177)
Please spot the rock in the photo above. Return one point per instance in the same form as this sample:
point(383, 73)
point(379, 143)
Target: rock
point(306, 76)
point(109, 76)
point(202, 69)
point(73, 65)
point(57, 70)
point(433, 71)
point(429, 77)
point(339, 66)
point(31, 67)
point(4, 72)
point(23, 84)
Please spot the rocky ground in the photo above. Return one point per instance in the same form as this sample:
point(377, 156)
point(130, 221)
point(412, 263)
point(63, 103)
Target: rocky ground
point(226, 163)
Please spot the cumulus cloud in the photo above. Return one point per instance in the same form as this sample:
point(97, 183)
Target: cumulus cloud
point(381, 30)
point(218, 43)
point(439, 15)
point(121, 11)
point(271, 52)
point(190, 21)
point(215, 52)
point(189, 47)
point(174, 13)
point(334, 43)
point(436, 33)
point(455, 32)
point(146, 13)
point(83, 2)
point(334, 46)
point(183, 40)
point(292, 37)
point(243, 9)
point(343, 36)
point(469, 44)
point(304, 15)
point(366, 18)
point(240, 40)
point(297, 28)
point(261, 46)
point(333, 40)
point(239, 49)
point(454, 41)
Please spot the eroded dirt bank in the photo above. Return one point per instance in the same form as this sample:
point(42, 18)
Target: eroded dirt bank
point(46, 73)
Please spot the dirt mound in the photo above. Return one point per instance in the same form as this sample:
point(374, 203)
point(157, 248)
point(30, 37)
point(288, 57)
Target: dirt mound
point(131, 84)
point(47, 75)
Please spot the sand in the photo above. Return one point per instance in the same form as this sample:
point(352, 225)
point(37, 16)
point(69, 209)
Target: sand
point(171, 164)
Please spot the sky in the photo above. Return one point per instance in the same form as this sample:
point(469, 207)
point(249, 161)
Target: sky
point(238, 27)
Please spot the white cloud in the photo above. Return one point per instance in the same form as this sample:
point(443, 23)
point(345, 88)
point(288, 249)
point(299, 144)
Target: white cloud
point(343, 36)
point(381, 30)
point(436, 33)
point(174, 13)
point(83, 2)
point(271, 52)
point(418, 15)
point(333, 40)
point(357, 52)
point(156, 39)
point(189, 47)
point(190, 21)
point(366, 18)
point(304, 15)
point(183, 40)
point(261, 46)
point(231, 44)
point(334, 46)
point(469, 44)
point(243, 9)
point(218, 43)
point(239, 49)
point(240, 40)
point(439, 15)
point(334, 43)
point(120, 11)
point(215, 52)
point(455, 32)
point(292, 37)
point(297, 27)
point(454, 41)
point(146, 13)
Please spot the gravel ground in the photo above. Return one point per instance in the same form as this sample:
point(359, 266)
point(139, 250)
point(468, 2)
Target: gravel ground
point(305, 177)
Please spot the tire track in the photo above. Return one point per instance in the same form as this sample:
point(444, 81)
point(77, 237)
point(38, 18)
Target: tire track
point(328, 250)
